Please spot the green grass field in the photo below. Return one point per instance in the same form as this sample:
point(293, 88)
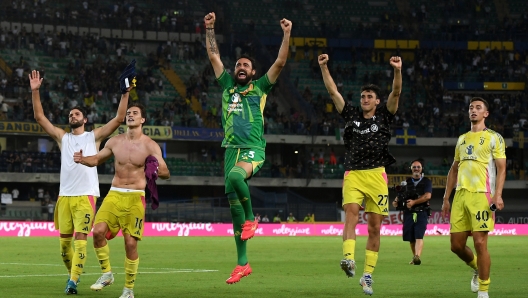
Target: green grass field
point(282, 267)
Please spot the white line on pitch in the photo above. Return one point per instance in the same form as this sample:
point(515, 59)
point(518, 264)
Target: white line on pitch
point(61, 265)
point(53, 275)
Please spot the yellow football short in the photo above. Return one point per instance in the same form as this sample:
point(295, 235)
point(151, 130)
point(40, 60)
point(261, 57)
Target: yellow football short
point(123, 210)
point(369, 185)
point(74, 214)
point(471, 212)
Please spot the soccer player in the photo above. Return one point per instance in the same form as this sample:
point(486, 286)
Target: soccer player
point(367, 135)
point(124, 206)
point(479, 171)
point(243, 102)
point(79, 186)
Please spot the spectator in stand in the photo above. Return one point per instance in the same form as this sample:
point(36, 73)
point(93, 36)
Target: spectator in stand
point(265, 219)
point(291, 218)
point(277, 218)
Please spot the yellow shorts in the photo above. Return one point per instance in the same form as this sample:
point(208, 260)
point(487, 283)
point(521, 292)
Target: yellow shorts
point(74, 214)
point(369, 185)
point(122, 210)
point(471, 212)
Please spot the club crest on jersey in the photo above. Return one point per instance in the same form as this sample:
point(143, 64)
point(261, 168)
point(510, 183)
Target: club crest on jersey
point(357, 123)
point(374, 128)
point(469, 149)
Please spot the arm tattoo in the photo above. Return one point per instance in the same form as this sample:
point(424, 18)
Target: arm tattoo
point(212, 41)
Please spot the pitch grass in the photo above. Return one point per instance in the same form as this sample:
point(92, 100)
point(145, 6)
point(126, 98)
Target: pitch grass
point(282, 267)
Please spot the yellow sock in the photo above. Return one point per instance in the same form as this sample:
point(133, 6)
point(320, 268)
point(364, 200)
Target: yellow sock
point(473, 263)
point(131, 268)
point(349, 246)
point(66, 252)
point(79, 259)
point(371, 258)
point(484, 285)
point(103, 255)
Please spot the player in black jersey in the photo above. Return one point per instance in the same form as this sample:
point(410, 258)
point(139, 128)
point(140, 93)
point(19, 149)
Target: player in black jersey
point(367, 135)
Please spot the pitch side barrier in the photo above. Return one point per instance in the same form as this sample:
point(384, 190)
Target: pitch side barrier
point(167, 229)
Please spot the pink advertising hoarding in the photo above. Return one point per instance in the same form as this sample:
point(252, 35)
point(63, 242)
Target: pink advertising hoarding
point(153, 229)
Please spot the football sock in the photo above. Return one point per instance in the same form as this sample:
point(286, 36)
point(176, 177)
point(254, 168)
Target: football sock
point(473, 263)
point(237, 213)
point(349, 246)
point(103, 255)
point(237, 178)
point(131, 268)
point(66, 252)
point(79, 259)
point(484, 285)
point(371, 258)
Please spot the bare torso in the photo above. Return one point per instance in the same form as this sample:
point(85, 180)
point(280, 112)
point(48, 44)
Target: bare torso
point(130, 156)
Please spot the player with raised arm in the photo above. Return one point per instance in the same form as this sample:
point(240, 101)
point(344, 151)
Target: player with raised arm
point(478, 171)
point(367, 135)
point(124, 206)
point(243, 101)
point(79, 186)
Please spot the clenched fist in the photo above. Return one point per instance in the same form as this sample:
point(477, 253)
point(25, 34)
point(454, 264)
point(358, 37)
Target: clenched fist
point(396, 62)
point(77, 156)
point(286, 25)
point(209, 20)
point(323, 59)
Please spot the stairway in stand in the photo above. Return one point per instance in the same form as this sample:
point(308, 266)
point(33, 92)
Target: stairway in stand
point(175, 81)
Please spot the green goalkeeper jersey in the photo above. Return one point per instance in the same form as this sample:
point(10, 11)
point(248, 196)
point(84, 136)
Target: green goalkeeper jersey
point(242, 112)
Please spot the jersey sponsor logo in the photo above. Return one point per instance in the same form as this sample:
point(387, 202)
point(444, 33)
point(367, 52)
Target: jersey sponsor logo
point(361, 132)
point(236, 104)
point(469, 149)
point(374, 127)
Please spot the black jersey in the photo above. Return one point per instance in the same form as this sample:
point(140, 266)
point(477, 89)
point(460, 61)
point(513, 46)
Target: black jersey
point(367, 140)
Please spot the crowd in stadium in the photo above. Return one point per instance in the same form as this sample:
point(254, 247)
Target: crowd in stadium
point(426, 107)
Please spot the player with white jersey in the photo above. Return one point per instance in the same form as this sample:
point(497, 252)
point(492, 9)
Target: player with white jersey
point(79, 185)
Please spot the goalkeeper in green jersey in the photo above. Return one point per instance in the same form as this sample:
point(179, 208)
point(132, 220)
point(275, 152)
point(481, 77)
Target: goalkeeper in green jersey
point(243, 101)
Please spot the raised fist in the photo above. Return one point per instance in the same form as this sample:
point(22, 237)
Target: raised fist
point(323, 59)
point(209, 20)
point(286, 25)
point(396, 62)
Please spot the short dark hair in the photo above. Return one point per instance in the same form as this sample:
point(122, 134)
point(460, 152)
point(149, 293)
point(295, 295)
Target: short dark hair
point(141, 107)
point(420, 160)
point(480, 99)
point(251, 59)
point(372, 88)
point(81, 109)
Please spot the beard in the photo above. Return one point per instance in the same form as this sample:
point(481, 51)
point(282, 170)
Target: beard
point(244, 81)
point(77, 124)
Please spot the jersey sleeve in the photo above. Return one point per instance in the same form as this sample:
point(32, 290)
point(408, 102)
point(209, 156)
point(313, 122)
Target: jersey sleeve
point(457, 147)
point(385, 112)
point(264, 84)
point(348, 112)
point(498, 150)
point(225, 80)
point(428, 186)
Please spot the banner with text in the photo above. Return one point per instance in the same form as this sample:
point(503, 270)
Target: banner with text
point(26, 127)
point(197, 134)
point(166, 229)
point(154, 132)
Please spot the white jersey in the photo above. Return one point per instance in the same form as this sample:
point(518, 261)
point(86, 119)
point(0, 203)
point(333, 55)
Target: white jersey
point(77, 179)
